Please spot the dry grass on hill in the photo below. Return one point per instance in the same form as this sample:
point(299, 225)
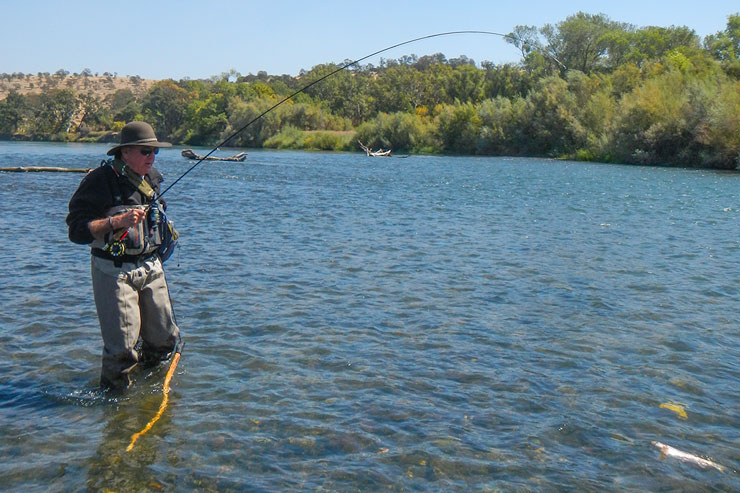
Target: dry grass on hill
point(96, 86)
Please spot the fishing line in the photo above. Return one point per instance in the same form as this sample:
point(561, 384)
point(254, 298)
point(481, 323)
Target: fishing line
point(176, 357)
point(339, 69)
point(165, 398)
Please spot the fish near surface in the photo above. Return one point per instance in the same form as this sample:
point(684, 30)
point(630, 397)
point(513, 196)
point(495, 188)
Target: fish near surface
point(668, 451)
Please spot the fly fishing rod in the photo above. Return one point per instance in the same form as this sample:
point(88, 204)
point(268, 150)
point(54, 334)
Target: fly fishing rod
point(176, 356)
point(339, 69)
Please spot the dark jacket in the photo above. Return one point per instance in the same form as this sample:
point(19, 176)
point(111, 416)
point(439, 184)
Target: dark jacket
point(95, 195)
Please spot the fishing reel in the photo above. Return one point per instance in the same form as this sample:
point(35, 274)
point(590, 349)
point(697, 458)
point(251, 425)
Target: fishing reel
point(116, 249)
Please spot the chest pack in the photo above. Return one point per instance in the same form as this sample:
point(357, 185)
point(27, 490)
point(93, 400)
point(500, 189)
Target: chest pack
point(154, 234)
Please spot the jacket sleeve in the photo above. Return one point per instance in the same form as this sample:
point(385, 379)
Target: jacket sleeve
point(92, 198)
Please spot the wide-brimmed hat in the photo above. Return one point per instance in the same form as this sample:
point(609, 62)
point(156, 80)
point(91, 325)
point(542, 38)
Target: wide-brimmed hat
point(138, 134)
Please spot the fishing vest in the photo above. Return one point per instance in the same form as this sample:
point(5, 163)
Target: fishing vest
point(141, 239)
point(155, 233)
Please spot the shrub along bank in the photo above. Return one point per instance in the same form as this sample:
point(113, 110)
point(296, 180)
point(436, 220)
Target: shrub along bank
point(632, 95)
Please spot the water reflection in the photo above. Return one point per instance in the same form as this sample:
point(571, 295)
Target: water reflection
point(111, 467)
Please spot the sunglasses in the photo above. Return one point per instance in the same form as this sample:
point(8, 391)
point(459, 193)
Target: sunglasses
point(147, 151)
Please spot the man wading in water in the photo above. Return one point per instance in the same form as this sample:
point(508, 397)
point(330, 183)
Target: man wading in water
point(114, 211)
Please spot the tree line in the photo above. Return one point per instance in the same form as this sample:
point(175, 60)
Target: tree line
point(587, 88)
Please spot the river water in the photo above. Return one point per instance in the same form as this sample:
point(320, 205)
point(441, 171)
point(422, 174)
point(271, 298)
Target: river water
point(424, 324)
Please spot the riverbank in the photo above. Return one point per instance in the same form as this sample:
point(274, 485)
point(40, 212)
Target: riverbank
point(340, 141)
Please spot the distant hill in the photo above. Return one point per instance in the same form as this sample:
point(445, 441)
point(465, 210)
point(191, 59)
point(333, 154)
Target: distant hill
point(92, 85)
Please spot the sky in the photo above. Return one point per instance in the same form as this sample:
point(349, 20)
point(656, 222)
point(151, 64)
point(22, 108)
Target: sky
point(159, 39)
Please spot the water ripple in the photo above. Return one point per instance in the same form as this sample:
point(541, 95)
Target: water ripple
point(425, 324)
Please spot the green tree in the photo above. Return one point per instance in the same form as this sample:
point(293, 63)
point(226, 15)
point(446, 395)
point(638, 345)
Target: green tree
point(54, 111)
point(653, 43)
point(423, 63)
point(123, 105)
point(550, 125)
point(593, 112)
point(506, 81)
point(625, 78)
point(400, 88)
point(13, 112)
point(458, 127)
point(344, 93)
point(654, 122)
point(206, 119)
point(438, 76)
point(466, 84)
point(725, 46)
point(165, 107)
point(330, 90)
point(581, 41)
point(525, 38)
point(242, 112)
point(404, 132)
point(722, 136)
point(96, 115)
point(501, 125)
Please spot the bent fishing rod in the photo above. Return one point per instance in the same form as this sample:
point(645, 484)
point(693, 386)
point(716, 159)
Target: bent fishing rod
point(339, 69)
point(176, 356)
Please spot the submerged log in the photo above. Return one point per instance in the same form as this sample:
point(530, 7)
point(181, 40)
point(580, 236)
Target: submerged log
point(26, 169)
point(379, 153)
point(188, 153)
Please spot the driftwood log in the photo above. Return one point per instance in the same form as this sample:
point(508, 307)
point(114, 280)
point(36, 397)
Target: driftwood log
point(188, 153)
point(371, 153)
point(27, 169)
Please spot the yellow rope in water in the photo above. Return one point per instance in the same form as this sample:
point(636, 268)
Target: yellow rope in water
point(165, 399)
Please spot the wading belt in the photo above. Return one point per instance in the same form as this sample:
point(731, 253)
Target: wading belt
point(121, 259)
